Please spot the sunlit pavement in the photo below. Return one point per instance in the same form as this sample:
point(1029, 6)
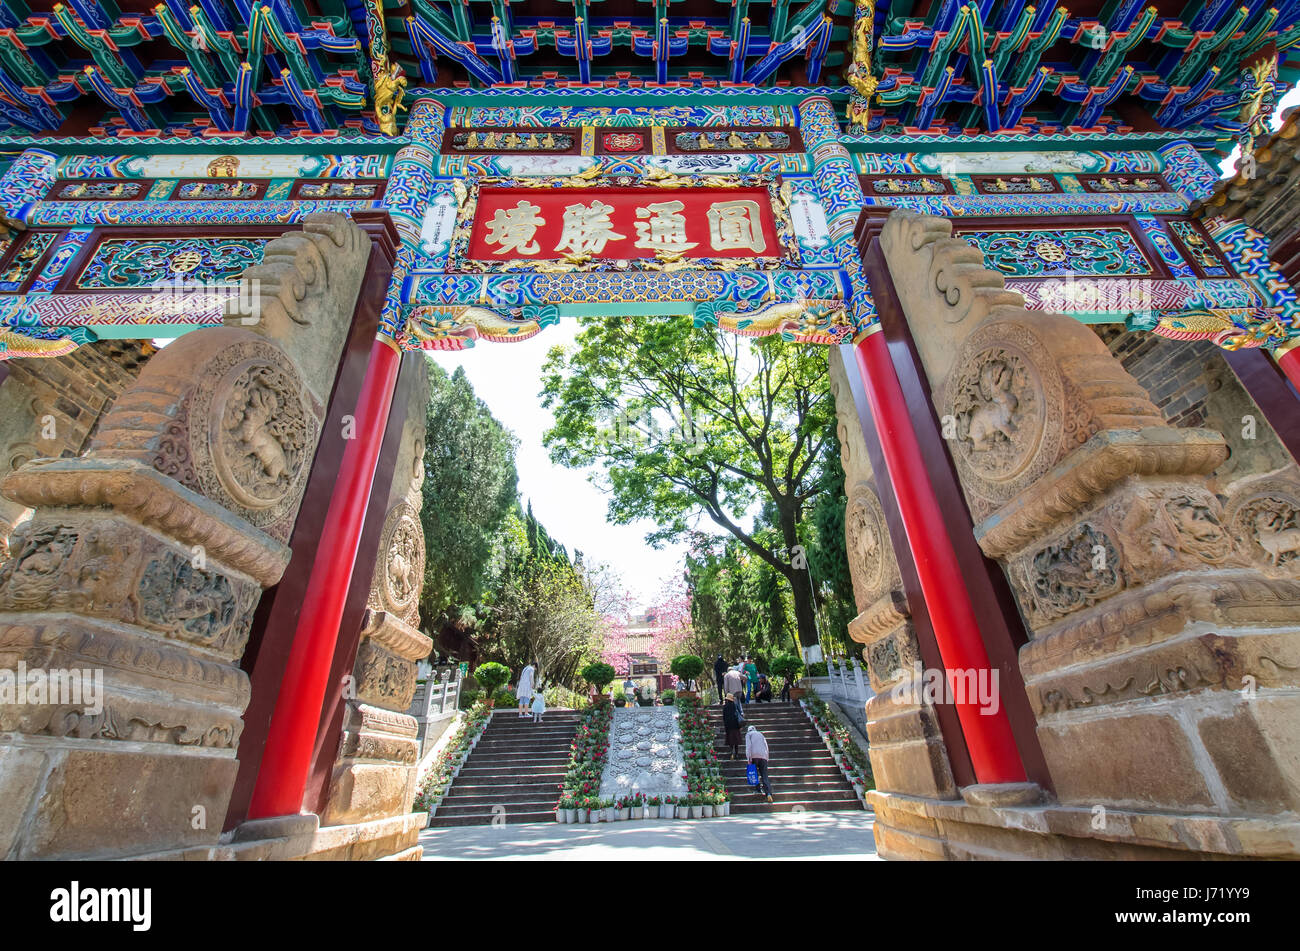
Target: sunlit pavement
point(824, 835)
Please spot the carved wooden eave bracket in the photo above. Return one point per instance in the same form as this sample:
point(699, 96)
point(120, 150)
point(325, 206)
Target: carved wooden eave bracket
point(395, 635)
point(1089, 472)
point(155, 501)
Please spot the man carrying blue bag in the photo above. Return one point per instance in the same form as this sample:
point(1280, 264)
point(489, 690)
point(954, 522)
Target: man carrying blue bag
point(756, 753)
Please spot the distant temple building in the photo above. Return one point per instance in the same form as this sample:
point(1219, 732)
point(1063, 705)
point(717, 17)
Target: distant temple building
point(1063, 357)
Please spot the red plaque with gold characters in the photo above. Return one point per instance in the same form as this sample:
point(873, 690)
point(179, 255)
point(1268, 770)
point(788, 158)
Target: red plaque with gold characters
point(622, 224)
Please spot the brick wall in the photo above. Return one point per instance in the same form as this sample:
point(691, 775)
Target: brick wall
point(1194, 387)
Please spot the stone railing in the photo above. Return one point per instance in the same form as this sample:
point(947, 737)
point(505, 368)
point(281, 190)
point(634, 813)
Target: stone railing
point(434, 704)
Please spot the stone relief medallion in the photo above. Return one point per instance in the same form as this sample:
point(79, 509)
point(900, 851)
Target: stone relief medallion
point(1266, 519)
point(400, 571)
point(866, 540)
point(252, 434)
point(1002, 413)
point(1079, 570)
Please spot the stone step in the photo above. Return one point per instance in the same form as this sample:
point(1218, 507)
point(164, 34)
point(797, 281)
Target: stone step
point(458, 805)
point(506, 790)
point(522, 818)
point(473, 770)
point(747, 808)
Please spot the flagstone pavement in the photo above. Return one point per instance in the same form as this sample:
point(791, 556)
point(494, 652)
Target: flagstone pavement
point(821, 835)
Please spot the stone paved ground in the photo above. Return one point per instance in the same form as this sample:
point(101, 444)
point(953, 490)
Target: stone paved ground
point(824, 835)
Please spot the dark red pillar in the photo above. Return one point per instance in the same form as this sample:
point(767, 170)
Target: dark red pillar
point(286, 760)
point(988, 735)
point(1288, 358)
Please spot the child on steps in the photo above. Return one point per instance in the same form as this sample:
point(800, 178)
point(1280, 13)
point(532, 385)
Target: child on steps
point(538, 706)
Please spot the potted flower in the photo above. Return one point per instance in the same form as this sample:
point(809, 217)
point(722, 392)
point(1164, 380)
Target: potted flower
point(567, 811)
point(667, 808)
point(611, 810)
point(724, 804)
point(706, 806)
point(625, 808)
point(491, 677)
point(654, 807)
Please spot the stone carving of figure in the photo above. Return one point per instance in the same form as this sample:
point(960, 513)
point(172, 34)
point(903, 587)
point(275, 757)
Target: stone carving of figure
point(1276, 540)
point(253, 437)
point(996, 411)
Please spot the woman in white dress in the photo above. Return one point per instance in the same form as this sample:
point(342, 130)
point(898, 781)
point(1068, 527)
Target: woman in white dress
point(524, 692)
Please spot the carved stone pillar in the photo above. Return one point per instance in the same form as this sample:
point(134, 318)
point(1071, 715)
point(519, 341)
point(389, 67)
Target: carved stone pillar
point(50, 406)
point(374, 774)
point(907, 750)
point(142, 566)
point(140, 569)
point(1164, 664)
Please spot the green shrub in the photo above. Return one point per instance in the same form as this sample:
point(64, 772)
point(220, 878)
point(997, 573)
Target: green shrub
point(787, 666)
point(818, 669)
point(687, 666)
point(666, 697)
point(469, 697)
point(504, 698)
point(597, 674)
point(492, 676)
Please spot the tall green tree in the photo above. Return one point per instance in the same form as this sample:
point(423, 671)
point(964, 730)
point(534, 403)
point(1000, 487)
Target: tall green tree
point(683, 422)
point(542, 610)
point(470, 487)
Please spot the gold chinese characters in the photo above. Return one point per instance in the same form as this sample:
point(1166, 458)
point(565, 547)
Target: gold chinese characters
point(660, 227)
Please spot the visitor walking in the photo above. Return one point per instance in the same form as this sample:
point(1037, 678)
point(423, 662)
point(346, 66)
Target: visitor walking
point(524, 690)
point(751, 676)
point(733, 683)
point(731, 723)
point(720, 671)
point(538, 706)
point(629, 691)
point(763, 692)
point(756, 753)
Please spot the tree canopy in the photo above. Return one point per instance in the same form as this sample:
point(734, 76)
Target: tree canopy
point(682, 422)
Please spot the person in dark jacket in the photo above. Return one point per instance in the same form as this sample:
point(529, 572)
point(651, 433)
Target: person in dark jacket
point(763, 692)
point(731, 722)
point(719, 669)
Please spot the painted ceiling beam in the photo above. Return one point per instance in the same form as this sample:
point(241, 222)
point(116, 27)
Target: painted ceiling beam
point(1098, 100)
point(584, 47)
point(29, 110)
point(424, 36)
point(1019, 99)
point(1118, 45)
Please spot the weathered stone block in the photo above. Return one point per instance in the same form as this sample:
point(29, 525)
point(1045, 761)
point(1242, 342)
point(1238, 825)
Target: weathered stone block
point(1256, 749)
point(1142, 760)
point(105, 803)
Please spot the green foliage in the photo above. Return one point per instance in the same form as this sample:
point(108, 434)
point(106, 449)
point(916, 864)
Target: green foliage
point(682, 422)
point(491, 676)
point(666, 697)
point(469, 489)
point(786, 666)
point(542, 609)
point(598, 674)
point(687, 666)
point(828, 558)
point(738, 602)
point(818, 669)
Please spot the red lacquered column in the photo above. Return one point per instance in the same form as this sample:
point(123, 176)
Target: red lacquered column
point(282, 779)
point(1288, 358)
point(989, 738)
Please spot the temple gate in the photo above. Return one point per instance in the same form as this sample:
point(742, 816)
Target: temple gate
point(1069, 460)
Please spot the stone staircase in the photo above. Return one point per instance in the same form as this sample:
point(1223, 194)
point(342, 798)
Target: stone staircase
point(801, 770)
point(517, 766)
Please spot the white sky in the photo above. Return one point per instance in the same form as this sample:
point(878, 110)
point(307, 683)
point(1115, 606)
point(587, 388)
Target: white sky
point(507, 377)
